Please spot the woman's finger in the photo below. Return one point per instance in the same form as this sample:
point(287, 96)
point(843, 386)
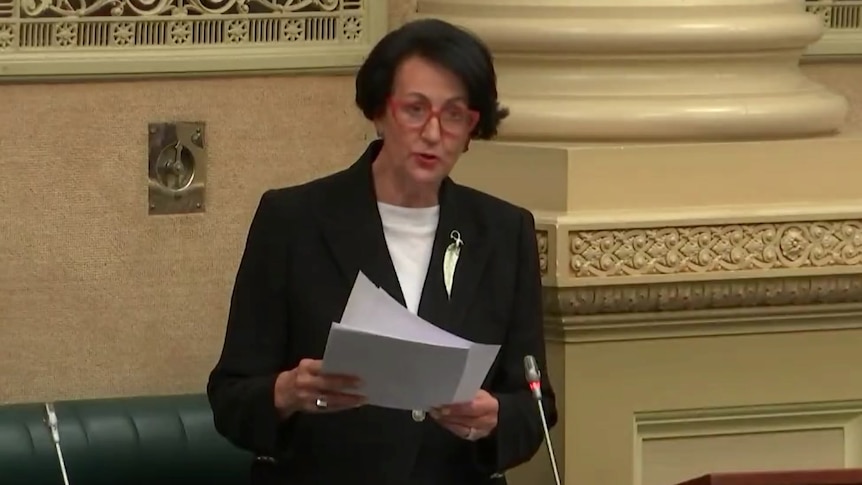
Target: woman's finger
point(456, 429)
point(319, 383)
point(455, 420)
point(342, 399)
point(333, 401)
point(330, 382)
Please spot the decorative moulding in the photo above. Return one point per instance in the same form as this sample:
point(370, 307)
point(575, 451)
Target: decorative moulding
point(707, 322)
point(42, 39)
point(726, 249)
point(842, 416)
point(690, 278)
point(842, 28)
point(693, 249)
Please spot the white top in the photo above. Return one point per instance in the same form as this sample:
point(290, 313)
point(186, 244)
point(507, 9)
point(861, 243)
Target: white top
point(409, 234)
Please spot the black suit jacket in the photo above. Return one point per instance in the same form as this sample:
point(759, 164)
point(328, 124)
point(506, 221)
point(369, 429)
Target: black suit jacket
point(304, 248)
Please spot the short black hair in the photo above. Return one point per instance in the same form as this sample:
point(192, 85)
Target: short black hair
point(441, 43)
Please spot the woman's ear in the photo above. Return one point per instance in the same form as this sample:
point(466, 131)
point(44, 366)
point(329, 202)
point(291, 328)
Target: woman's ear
point(377, 134)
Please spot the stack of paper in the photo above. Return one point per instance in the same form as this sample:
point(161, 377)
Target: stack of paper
point(404, 362)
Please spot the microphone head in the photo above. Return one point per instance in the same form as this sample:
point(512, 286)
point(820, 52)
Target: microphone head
point(531, 369)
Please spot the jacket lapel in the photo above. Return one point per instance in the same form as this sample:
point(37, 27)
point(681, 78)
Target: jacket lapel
point(353, 230)
point(354, 233)
point(456, 214)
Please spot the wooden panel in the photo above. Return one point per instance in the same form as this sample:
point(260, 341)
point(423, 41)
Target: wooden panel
point(797, 387)
point(801, 477)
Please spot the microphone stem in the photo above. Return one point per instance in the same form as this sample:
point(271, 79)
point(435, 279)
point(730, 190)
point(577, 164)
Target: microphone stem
point(548, 442)
point(55, 434)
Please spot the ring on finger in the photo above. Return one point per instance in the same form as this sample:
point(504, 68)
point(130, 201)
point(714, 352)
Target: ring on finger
point(471, 434)
point(320, 403)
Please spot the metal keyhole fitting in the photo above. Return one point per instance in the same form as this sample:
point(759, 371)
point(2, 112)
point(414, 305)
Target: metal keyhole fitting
point(177, 167)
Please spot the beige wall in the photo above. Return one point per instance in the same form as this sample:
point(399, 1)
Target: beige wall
point(844, 78)
point(96, 297)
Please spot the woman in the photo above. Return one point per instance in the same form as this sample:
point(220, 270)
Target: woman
point(429, 88)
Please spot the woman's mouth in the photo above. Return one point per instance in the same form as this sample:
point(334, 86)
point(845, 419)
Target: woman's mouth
point(426, 160)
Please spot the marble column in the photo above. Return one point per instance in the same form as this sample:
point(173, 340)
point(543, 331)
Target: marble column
point(651, 70)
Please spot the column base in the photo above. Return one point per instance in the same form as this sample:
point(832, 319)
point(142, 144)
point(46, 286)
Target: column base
point(651, 70)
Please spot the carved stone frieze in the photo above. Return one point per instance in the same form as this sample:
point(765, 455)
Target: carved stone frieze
point(715, 248)
point(705, 267)
point(702, 295)
point(542, 242)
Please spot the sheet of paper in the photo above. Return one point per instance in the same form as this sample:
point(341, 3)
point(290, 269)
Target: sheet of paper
point(361, 300)
point(396, 373)
point(479, 361)
point(371, 308)
point(403, 361)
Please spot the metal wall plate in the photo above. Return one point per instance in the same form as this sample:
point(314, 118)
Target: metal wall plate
point(177, 167)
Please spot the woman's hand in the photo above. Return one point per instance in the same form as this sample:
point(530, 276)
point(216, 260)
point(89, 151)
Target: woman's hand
point(471, 420)
point(305, 388)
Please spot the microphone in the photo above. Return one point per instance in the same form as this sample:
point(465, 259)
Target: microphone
point(53, 425)
point(534, 379)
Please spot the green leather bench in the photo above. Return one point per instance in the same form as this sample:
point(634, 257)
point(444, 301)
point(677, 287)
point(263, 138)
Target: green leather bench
point(152, 440)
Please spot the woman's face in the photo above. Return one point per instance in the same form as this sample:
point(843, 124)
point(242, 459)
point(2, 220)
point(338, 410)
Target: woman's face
point(427, 122)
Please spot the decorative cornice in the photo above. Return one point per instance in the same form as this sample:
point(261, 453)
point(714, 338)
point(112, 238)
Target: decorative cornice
point(842, 28)
point(53, 39)
point(715, 249)
point(702, 295)
point(681, 281)
point(704, 323)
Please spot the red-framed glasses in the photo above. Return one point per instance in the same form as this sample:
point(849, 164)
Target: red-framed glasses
point(455, 119)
